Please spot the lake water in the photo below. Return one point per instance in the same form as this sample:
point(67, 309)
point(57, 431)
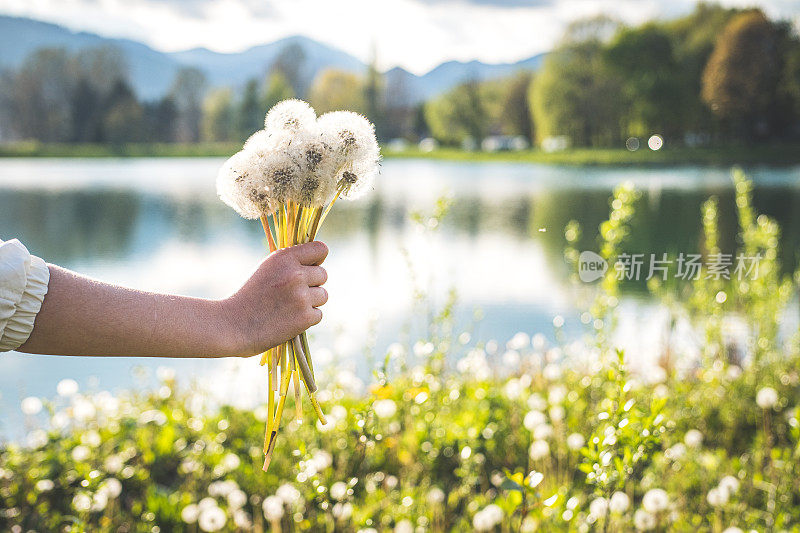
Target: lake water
point(156, 224)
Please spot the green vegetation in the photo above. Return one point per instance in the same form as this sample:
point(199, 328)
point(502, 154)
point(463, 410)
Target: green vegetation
point(773, 154)
point(717, 77)
point(454, 436)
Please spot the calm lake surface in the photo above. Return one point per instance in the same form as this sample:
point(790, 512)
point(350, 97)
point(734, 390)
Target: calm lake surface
point(156, 224)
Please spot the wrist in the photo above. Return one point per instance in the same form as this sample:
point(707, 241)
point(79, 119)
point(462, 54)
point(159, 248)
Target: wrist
point(228, 337)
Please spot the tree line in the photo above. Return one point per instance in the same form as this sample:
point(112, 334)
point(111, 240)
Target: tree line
point(716, 75)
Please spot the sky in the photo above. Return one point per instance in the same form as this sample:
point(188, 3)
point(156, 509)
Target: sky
point(414, 34)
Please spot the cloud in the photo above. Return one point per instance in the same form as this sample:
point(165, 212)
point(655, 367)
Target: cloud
point(414, 34)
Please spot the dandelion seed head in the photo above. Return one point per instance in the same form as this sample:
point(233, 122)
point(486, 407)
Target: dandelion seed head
point(655, 500)
point(619, 502)
point(643, 520)
point(767, 398)
point(240, 184)
point(212, 518)
point(289, 116)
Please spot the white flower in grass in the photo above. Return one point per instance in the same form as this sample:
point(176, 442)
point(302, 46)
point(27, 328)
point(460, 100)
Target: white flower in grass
point(80, 453)
point(539, 450)
point(557, 413)
point(31, 406)
point(231, 461)
point(222, 488)
point(236, 499)
point(37, 438)
point(533, 419)
point(767, 398)
point(693, 438)
point(83, 409)
point(67, 388)
point(729, 484)
point(99, 501)
point(543, 431)
point(242, 520)
point(113, 464)
point(598, 507)
point(487, 518)
point(91, 438)
point(338, 490)
point(404, 526)
point(733, 529)
point(519, 341)
point(342, 511)
point(206, 502)
point(535, 478)
point(44, 485)
point(273, 508)
point(676, 451)
point(190, 513)
point(384, 408)
point(435, 496)
point(289, 494)
point(619, 502)
point(112, 487)
point(552, 372)
point(536, 402)
point(575, 441)
point(717, 497)
point(212, 518)
point(82, 502)
point(655, 500)
point(643, 521)
point(556, 394)
point(321, 460)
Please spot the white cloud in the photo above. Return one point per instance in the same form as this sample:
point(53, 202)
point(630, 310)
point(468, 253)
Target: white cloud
point(416, 34)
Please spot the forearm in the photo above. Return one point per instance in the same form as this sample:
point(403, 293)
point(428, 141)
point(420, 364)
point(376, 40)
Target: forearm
point(80, 316)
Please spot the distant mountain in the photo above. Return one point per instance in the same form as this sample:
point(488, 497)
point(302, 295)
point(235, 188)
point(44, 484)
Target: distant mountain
point(449, 74)
point(152, 71)
point(237, 68)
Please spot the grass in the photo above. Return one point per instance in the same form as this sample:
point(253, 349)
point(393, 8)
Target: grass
point(769, 154)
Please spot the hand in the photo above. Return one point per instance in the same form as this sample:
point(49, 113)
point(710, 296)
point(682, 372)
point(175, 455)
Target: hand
point(278, 302)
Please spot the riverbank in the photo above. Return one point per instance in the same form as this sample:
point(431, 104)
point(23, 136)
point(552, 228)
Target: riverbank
point(772, 154)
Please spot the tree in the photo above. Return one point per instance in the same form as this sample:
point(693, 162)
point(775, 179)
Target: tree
point(575, 95)
point(373, 97)
point(218, 116)
point(336, 90)
point(187, 92)
point(250, 114)
point(85, 113)
point(39, 96)
point(515, 114)
point(458, 114)
point(277, 88)
point(123, 116)
point(644, 62)
point(291, 62)
point(740, 79)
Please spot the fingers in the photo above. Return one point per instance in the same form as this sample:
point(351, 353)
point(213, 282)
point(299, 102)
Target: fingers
point(315, 276)
point(317, 296)
point(311, 253)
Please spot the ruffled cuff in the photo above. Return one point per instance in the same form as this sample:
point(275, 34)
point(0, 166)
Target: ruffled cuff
point(20, 324)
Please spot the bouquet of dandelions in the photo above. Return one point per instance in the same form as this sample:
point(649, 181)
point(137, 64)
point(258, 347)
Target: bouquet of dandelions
point(289, 175)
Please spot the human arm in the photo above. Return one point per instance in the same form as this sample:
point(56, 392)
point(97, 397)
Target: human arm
point(81, 316)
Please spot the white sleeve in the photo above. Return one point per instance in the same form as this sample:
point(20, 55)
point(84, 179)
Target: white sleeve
point(23, 284)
